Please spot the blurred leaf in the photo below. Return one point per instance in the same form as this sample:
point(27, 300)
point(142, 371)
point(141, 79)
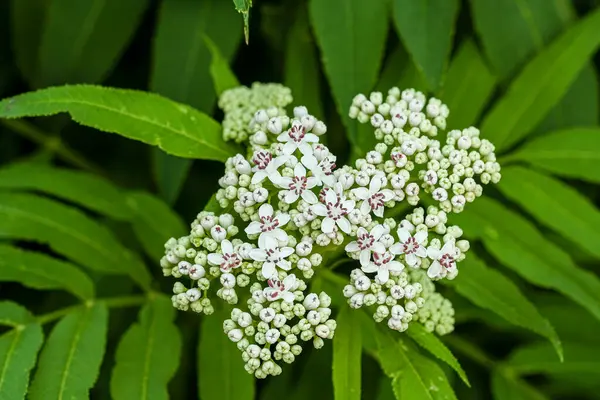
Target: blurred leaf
point(179, 43)
point(512, 31)
point(154, 223)
point(82, 40)
point(176, 128)
point(81, 188)
point(148, 354)
point(502, 297)
point(571, 153)
point(517, 244)
point(566, 318)
point(542, 83)
point(393, 68)
point(27, 22)
point(301, 73)
point(221, 373)
point(71, 358)
point(508, 387)
point(578, 107)
point(69, 232)
point(243, 7)
point(13, 314)
point(352, 43)
point(432, 344)
point(347, 351)
point(469, 85)
point(39, 271)
point(427, 27)
point(554, 204)
point(18, 353)
point(537, 358)
point(314, 380)
point(222, 75)
point(385, 389)
point(413, 375)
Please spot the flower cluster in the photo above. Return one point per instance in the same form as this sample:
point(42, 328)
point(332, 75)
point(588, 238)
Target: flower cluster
point(287, 210)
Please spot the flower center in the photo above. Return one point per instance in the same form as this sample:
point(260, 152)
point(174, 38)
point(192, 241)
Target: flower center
point(297, 133)
point(365, 241)
point(327, 166)
point(230, 261)
point(336, 210)
point(298, 184)
point(262, 159)
point(376, 201)
point(411, 246)
point(382, 260)
point(268, 223)
point(446, 261)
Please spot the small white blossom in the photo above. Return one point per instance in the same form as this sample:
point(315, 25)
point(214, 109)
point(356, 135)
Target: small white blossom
point(321, 170)
point(281, 289)
point(268, 225)
point(411, 246)
point(265, 166)
point(297, 138)
point(374, 197)
point(298, 186)
point(334, 209)
point(228, 259)
point(367, 242)
point(383, 263)
point(444, 260)
point(272, 256)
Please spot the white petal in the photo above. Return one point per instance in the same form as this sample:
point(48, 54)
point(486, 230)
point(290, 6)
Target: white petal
point(268, 270)
point(288, 297)
point(285, 182)
point(421, 236)
point(361, 193)
point(327, 225)
point(283, 137)
point(299, 170)
point(369, 268)
point(265, 210)
point(330, 197)
point(378, 247)
point(328, 180)
point(283, 219)
point(421, 252)
point(434, 270)
point(411, 259)
point(344, 225)
point(403, 235)
point(365, 208)
point(352, 247)
point(286, 251)
point(395, 266)
point(215, 258)
point(253, 228)
point(290, 196)
point(349, 205)
point(365, 257)
point(375, 184)
point(397, 248)
point(274, 176)
point(258, 255)
point(434, 253)
point(290, 147)
point(280, 235)
point(311, 182)
point(305, 148)
point(258, 177)
point(271, 294)
point(448, 248)
point(387, 195)
point(378, 212)
point(309, 161)
point(320, 209)
point(378, 231)
point(284, 265)
point(289, 282)
point(309, 197)
point(383, 275)
point(311, 138)
point(226, 247)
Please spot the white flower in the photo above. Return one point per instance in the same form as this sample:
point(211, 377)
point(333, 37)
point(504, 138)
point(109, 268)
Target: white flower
point(411, 246)
point(227, 259)
point(272, 256)
point(334, 210)
point(367, 242)
point(297, 138)
point(374, 197)
point(281, 289)
point(298, 186)
point(444, 260)
point(266, 166)
point(268, 225)
point(383, 263)
point(321, 170)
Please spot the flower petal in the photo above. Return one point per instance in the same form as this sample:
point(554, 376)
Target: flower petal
point(290, 196)
point(215, 258)
point(365, 207)
point(284, 265)
point(361, 193)
point(378, 231)
point(397, 248)
point(403, 235)
point(421, 252)
point(383, 275)
point(285, 182)
point(282, 219)
point(327, 225)
point(328, 180)
point(330, 197)
point(352, 247)
point(434, 270)
point(309, 161)
point(290, 147)
point(288, 297)
point(309, 197)
point(265, 210)
point(305, 148)
point(311, 182)
point(387, 195)
point(365, 257)
point(226, 247)
point(344, 225)
point(271, 294)
point(311, 138)
point(434, 253)
point(269, 270)
point(258, 255)
point(375, 184)
point(411, 259)
point(286, 252)
point(290, 282)
point(395, 266)
point(421, 236)
point(378, 247)
point(378, 211)
point(369, 268)
point(448, 248)
point(280, 235)
point(258, 177)
point(320, 209)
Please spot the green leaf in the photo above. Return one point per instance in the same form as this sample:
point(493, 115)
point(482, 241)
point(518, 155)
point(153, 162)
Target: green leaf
point(517, 244)
point(81, 41)
point(347, 351)
point(154, 223)
point(87, 190)
point(502, 297)
point(148, 354)
point(537, 358)
point(39, 271)
point(566, 317)
point(301, 67)
point(514, 30)
point(221, 362)
point(180, 68)
point(18, 353)
point(69, 232)
point(13, 314)
point(243, 7)
point(432, 344)
point(352, 43)
point(554, 204)
point(27, 21)
point(413, 375)
point(70, 360)
point(469, 85)
point(176, 128)
point(222, 76)
point(578, 107)
point(571, 153)
point(542, 83)
point(426, 27)
point(506, 386)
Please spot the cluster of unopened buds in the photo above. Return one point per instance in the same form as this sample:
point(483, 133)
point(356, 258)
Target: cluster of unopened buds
point(286, 209)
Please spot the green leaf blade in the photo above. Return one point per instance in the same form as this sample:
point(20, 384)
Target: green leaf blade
point(536, 358)
point(347, 351)
point(39, 271)
point(431, 343)
point(427, 28)
point(176, 128)
point(70, 361)
point(18, 353)
point(554, 204)
point(148, 354)
point(78, 187)
point(13, 314)
point(220, 361)
point(222, 75)
point(542, 83)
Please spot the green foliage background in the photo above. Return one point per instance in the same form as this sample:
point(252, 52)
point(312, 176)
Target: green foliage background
point(84, 214)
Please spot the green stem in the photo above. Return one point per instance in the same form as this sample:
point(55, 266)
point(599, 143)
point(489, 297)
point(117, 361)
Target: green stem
point(111, 302)
point(54, 144)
